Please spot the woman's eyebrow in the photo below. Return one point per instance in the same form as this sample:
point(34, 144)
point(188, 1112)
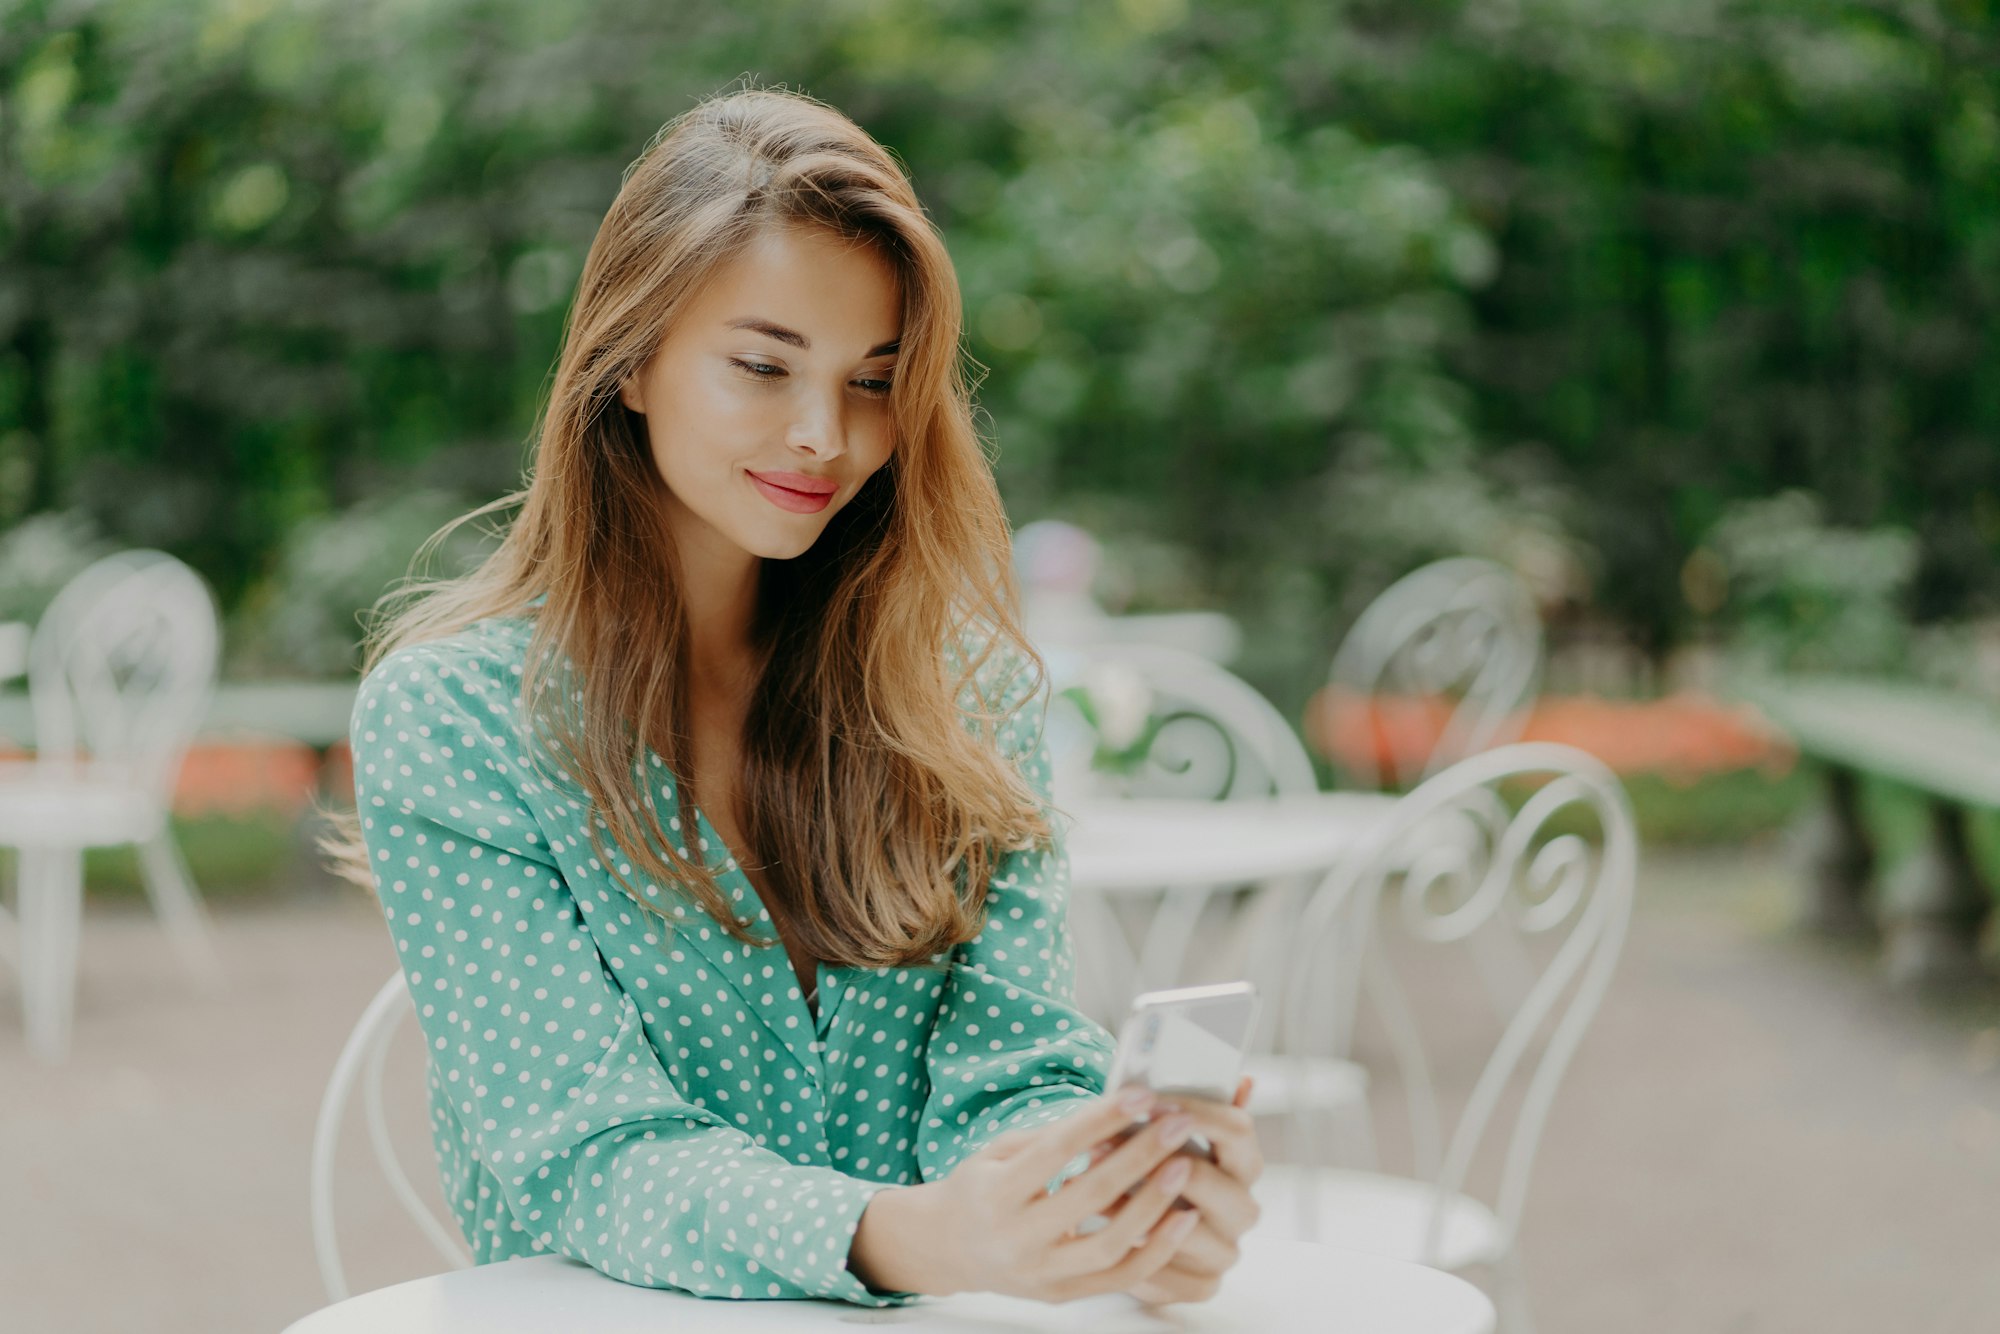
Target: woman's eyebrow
point(772, 329)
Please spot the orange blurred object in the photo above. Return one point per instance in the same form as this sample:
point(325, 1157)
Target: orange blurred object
point(245, 778)
point(1682, 736)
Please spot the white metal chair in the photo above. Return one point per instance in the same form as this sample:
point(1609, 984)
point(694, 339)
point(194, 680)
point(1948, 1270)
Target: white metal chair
point(1463, 630)
point(1462, 635)
point(1217, 739)
point(364, 1058)
point(1554, 885)
point(120, 671)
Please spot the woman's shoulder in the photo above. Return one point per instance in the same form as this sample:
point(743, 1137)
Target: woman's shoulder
point(495, 642)
point(473, 671)
point(435, 734)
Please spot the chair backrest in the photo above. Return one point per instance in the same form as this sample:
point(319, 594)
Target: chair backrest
point(1453, 856)
point(1460, 635)
point(1213, 736)
point(1216, 737)
point(363, 1059)
point(122, 666)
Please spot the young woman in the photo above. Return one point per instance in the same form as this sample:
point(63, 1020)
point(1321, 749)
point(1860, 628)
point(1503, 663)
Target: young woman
point(710, 815)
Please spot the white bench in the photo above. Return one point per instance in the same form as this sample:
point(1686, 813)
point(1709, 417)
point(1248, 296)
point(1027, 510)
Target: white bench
point(1932, 908)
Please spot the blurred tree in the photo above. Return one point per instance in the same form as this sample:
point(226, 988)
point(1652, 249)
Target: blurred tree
point(1746, 247)
point(259, 258)
point(1288, 293)
point(1809, 597)
point(261, 262)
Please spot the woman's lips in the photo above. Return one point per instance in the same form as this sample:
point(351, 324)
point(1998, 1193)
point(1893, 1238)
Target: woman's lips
point(797, 502)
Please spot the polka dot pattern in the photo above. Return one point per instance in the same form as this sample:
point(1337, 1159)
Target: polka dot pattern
point(660, 1103)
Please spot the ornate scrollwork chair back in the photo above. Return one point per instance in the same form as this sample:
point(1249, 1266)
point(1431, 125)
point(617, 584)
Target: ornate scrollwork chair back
point(1538, 835)
point(1461, 634)
point(1210, 736)
point(1208, 733)
point(121, 667)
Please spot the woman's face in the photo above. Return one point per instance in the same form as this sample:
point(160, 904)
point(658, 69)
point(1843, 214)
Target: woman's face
point(767, 403)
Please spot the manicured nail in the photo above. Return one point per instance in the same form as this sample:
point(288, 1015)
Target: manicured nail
point(1136, 1099)
point(1175, 1174)
point(1175, 1129)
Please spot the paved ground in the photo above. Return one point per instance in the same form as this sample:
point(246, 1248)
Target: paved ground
point(1755, 1138)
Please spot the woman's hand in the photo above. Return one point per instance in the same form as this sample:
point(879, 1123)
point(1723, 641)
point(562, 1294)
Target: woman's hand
point(993, 1226)
point(1220, 1194)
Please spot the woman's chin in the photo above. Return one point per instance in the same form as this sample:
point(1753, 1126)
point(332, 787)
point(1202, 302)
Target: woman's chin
point(784, 546)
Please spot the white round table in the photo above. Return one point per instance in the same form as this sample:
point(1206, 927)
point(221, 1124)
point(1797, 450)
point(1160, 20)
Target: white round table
point(1144, 843)
point(1134, 847)
point(1279, 1287)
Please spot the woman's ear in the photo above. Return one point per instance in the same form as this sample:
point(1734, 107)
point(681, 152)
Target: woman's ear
point(628, 394)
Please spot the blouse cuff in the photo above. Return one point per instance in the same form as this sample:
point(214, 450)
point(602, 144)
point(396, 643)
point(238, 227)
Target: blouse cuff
point(843, 1219)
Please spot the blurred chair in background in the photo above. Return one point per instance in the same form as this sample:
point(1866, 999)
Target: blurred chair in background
point(1555, 885)
point(121, 668)
point(1442, 665)
point(364, 1058)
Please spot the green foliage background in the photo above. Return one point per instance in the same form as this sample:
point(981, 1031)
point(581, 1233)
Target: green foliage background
point(1290, 295)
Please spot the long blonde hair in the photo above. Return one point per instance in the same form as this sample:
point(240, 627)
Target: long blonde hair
point(872, 791)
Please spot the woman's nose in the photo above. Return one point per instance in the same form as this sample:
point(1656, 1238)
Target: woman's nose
point(820, 427)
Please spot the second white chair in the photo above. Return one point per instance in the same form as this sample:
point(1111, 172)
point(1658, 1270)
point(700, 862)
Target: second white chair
point(120, 671)
point(1552, 883)
point(1455, 644)
point(362, 1060)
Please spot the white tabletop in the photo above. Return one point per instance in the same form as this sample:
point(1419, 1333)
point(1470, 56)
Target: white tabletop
point(1277, 1288)
point(1150, 842)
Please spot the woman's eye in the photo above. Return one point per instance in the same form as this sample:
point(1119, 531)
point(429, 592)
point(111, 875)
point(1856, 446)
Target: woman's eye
point(763, 370)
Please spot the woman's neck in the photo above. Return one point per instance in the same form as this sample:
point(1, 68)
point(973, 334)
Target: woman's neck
point(719, 594)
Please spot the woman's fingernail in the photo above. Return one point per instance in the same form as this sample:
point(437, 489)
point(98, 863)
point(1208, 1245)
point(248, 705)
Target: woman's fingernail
point(1135, 1099)
point(1175, 1129)
point(1175, 1174)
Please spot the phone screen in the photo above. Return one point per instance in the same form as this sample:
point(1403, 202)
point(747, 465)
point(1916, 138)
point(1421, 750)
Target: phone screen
point(1189, 1041)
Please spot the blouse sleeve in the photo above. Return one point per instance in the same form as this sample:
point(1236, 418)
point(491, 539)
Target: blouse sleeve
point(1010, 1049)
point(598, 1155)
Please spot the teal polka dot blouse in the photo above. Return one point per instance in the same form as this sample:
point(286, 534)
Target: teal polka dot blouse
point(663, 1105)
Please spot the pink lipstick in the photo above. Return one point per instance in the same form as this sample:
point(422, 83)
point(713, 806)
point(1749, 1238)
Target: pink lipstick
point(795, 492)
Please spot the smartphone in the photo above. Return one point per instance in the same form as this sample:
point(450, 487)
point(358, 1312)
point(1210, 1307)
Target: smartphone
point(1187, 1042)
